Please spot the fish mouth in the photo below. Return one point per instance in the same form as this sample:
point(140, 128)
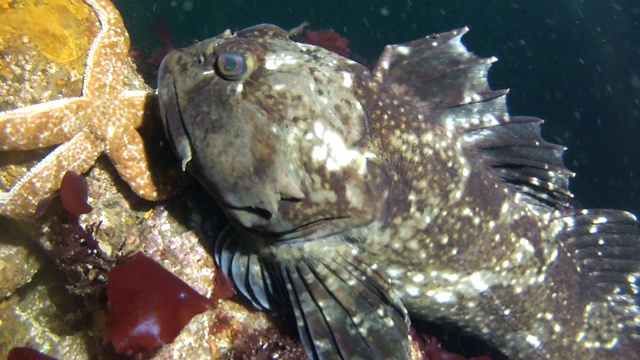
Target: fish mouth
point(258, 212)
point(263, 223)
point(250, 216)
point(262, 206)
point(257, 216)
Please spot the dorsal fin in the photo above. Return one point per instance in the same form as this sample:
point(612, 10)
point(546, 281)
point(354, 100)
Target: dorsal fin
point(436, 71)
point(450, 86)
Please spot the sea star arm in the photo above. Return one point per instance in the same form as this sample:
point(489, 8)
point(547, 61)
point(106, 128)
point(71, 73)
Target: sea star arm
point(142, 105)
point(134, 158)
point(40, 125)
point(127, 152)
point(77, 154)
point(104, 118)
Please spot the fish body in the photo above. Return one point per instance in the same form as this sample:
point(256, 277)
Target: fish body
point(359, 197)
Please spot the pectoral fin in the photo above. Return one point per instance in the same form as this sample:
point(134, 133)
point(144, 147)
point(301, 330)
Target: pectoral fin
point(346, 310)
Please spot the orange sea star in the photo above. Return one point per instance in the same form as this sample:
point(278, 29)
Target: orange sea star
point(113, 103)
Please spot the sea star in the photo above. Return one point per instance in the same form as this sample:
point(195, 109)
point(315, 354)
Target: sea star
point(113, 103)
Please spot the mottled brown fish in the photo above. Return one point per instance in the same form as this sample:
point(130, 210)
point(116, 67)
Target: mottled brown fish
point(356, 196)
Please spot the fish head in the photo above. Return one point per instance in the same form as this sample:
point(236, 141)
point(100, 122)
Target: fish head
point(275, 131)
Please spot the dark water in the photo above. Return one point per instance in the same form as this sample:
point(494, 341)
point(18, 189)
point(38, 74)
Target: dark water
point(574, 63)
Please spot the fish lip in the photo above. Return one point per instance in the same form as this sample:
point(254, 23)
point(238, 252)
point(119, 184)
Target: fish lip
point(172, 121)
point(258, 212)
point(251, 220)
point(264, 212)
point(250, 216)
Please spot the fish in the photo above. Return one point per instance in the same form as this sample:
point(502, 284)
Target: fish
point(359, 199)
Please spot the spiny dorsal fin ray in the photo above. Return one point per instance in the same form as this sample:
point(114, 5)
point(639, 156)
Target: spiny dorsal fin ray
point(516, 152)
point(450, 86)
point(605, 246)
point(512, 148)
point(342, 308)
point(436, 71)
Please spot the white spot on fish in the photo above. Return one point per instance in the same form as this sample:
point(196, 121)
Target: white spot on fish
point(403, 50)
point(335, 153)
point(319, 153)
point(418, 278)
point(274, 61)
point(478, 282)
point(394, 273)
point(347, 80)
point(441, 296)
point(527, 245)
point(505, 208)
point(600, 220)
point(533, 340)
point(557, 328)
point(489, 119)
point(412, 290)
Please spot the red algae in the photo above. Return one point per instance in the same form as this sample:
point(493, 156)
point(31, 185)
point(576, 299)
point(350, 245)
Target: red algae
point(327, 39)
point(74, 193)
point(149, 305)
point(25, 353)
point(162, 33)
point(429, 348)
point(223, 286)
point(276, 341)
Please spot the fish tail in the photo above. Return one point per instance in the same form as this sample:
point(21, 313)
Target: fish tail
point(604, 245)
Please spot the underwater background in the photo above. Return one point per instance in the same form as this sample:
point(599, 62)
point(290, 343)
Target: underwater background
point(574, 63)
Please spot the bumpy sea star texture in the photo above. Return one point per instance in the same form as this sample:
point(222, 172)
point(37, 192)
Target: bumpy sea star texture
point(112, 103)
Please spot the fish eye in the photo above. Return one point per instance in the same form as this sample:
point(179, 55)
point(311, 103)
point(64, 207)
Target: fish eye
point(232, 66)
